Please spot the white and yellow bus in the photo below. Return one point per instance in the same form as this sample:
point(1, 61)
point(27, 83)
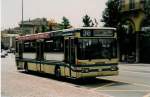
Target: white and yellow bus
point(74, 53)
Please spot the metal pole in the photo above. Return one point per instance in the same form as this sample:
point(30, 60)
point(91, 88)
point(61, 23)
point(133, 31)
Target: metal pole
point(22, 17)
point(22, 11)
point(137, 47)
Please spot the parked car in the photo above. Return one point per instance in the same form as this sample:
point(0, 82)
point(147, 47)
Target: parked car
point(3, 54)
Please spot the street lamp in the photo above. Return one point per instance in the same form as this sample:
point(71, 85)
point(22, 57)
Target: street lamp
point(22, 17)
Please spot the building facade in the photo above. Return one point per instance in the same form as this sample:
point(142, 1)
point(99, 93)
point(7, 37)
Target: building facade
point(8, 40)
point(26, 27)
point(134, 19)
point(34, 26)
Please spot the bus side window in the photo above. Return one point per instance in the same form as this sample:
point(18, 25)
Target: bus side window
point(21, 50)
point(39, 50)
point(66, 50)
point(29, 46)
point(72, 51)
point(58, 45)
point(48, 46)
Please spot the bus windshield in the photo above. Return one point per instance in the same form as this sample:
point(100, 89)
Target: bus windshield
point(96, 49)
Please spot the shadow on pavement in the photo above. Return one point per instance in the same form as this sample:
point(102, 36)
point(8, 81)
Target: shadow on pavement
point(85, 82)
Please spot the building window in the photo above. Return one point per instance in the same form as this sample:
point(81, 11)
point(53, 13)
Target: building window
point(122, 4)
point(132, 4)
point(147, 3)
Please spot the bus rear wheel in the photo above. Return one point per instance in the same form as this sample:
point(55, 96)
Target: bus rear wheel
point(57, 72)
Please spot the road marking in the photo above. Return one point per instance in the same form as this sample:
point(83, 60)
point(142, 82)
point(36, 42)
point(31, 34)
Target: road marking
point(147, 95)
point(137, 84)
point(122, 90)
point(135, 71)
point(106, 85)
point(126, 91)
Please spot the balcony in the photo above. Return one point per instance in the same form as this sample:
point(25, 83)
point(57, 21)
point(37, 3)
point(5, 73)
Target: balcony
point(133, 5)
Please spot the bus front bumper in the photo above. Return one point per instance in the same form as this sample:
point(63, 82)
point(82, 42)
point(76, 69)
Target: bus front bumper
point(98, 71)
point(97, 74)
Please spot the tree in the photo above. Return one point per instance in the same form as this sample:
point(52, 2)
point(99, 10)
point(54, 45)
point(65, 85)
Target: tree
point(44, 25)
point(65, 24)
point(111, 14)
point(147, 8)
point(96, 23)
point(52, 24)
point(87, 21)
point(147, 12)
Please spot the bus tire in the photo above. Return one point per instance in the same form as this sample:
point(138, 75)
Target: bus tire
point(57, 72)
point(26, 67)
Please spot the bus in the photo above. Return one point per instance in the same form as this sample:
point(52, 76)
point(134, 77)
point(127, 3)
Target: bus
point(73, 53)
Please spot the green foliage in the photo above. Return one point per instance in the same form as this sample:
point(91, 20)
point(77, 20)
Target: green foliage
point(37, 30)
point(147, 12)
point(111, 14)
point(87, 21)
point(147, 8)
point(44, 28)
point(65, 24)
point(52, 25)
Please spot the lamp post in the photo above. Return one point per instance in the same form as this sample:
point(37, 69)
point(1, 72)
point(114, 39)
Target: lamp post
point(22, 17)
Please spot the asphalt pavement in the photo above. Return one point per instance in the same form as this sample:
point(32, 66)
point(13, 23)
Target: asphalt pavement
point(133, 81)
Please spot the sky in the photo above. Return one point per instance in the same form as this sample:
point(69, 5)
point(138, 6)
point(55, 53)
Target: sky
point(74, 10)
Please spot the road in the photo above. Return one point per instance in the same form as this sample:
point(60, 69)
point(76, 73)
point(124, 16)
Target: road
point(21, 84)
point(133, 81)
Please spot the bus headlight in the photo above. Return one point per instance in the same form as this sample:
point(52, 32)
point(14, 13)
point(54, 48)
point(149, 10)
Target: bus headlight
point(85, 70)
point(114, 68)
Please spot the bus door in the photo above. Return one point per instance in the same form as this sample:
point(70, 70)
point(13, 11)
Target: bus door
point(39, 55)
point(70, 52)
point(20, 50)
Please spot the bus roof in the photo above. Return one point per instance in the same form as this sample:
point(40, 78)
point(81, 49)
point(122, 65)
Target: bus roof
point(81, 28)
point(56, 33)
point(34, 36)
point(111, 28)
